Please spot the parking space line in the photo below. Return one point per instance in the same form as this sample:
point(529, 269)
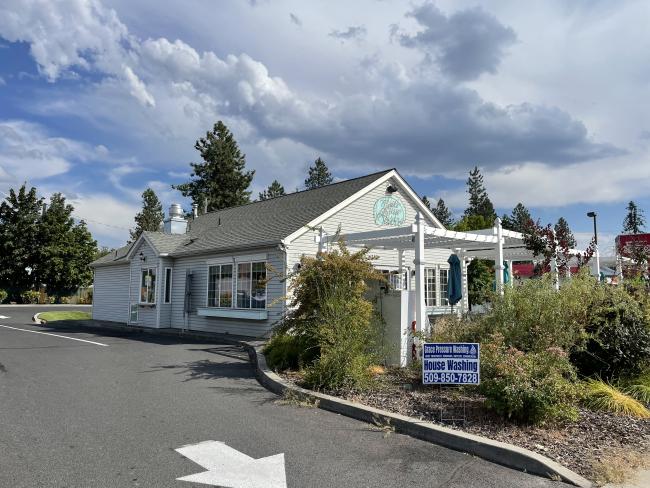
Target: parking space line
point(55, 335)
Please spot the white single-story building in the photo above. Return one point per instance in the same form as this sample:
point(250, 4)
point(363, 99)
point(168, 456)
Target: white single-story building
point(209, 272)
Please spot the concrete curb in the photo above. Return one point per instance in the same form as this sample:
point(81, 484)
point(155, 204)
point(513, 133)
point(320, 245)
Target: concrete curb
point(497, 452)
point(488, 449)
point(38, 321)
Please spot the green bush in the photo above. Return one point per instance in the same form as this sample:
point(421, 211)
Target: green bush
point(330, 320)
point(527, 387)
point(3, 295)
point(619, 337)
point(30, 296)
point(286, 351)
point(534, 316)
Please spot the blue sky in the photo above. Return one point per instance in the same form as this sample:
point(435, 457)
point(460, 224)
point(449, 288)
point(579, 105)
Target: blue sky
point(100, 99)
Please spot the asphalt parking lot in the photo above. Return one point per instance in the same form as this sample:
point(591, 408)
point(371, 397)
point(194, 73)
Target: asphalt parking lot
point(81, 409)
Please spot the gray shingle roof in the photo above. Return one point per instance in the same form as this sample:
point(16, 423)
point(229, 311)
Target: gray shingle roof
point(114, 257)
point(267, 221)
point(256, 224)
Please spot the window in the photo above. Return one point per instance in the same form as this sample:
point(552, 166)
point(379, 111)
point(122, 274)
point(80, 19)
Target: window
point(258, 287)
point(395, 281)
point(444, 287)
point(430, 287)
point(148, 286)
point(249, 280)
point(220, 285)
point(168, 285)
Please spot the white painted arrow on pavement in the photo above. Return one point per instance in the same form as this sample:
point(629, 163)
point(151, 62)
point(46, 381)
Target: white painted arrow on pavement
point(4, 317)
point(230, 468)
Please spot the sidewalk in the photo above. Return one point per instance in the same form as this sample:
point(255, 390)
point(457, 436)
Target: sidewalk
point(640, 480)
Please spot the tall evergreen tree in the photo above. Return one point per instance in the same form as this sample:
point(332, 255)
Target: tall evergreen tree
point(221, 180)
point(634, 221)
point(150, 218)
point(518, 220)
point(65, 249)
point(479, 202)
point(426, 202)
point(20, 214)
point(443, 214)
point(275, 189)
point(319, 175)
point(564, 235)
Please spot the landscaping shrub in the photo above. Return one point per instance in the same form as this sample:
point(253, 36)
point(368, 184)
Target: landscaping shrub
point(534, 316)
point(330, 320)
point(600, 395)
point(287, 351)
point(30, 296)
point(619, 337)
point(527, 387)
point(3, 295)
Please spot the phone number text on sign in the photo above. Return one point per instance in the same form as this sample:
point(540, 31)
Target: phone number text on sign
point(456, 363)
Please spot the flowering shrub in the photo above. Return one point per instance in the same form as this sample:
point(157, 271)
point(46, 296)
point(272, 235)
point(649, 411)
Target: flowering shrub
point(30, 296)
point(527, 387)
point(3, 295)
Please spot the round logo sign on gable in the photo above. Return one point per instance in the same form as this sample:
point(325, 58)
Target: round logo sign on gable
point(389, 211)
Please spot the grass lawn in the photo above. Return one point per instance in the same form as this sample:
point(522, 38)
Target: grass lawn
point(68, 315)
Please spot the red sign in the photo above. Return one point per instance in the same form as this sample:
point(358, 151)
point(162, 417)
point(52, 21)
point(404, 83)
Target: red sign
point(629, 245)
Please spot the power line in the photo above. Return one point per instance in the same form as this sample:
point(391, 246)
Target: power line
point(78, 217)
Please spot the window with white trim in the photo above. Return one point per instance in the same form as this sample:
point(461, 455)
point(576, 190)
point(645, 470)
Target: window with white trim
point(430, 287)
point(444, 287)
point(148, 286)
point(247, 280)
point(220, 281)
point(168, 285)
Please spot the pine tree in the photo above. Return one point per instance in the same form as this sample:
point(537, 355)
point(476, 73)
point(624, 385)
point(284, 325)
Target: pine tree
point(150, 218)
point(20, 214)
point(221, 180)
point(634, 220)
point(319, 175)
point(275, 189)
point(518, 220)
point(65, 249)
point(479, 202)
point(564, 235)
point(426, 202)
point(443, 214)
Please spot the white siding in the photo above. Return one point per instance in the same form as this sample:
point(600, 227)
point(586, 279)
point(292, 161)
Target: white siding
point(359, 217)
point(198, 266)
point(147, 314)
point(111, 293)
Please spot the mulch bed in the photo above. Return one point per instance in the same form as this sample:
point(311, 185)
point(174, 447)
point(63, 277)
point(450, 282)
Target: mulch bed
point(577, 445)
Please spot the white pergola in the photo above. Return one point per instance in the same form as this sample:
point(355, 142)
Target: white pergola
point(496, 244)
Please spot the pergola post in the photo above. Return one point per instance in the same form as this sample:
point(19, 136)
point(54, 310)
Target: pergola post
point(400, 268)
point(420, 305)
point(321, 241)
point(498, 266)
point(511, 284)
point(556, 274)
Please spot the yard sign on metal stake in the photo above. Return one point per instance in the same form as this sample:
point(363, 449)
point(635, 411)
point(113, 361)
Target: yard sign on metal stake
point(451, 363)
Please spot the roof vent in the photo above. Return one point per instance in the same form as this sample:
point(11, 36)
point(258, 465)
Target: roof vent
point(175, 210)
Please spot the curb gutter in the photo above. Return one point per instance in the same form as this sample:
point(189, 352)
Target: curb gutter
point(497, 452)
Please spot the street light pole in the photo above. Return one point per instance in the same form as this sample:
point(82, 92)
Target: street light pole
point(597, 253)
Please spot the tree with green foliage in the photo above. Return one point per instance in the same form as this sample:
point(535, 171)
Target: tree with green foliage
point(221, 180)
point(479, 201)
point(319, 175)
point(150, 218)
point(443, 214)
point(634, 221)
point(518, 220)
point(103, 251)
point(564, 234)
point(65, 249)
point(274, 190)
point(426, 202)
point(20, 215)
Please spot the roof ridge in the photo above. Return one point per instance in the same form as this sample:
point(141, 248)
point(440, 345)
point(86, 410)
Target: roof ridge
point(301, 191)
